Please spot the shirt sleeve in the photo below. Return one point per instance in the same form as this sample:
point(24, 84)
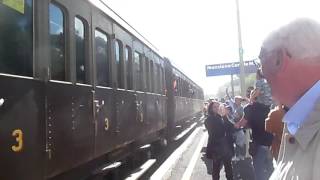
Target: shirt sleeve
point(259, 84)
point(262, 86)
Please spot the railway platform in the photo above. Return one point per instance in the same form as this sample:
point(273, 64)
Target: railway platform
point(188, 162)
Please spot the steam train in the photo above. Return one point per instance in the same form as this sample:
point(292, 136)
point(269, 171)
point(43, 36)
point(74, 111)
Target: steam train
point(79, 87)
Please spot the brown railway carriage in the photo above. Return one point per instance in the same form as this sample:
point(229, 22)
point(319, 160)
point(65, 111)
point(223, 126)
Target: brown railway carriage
point(185, 98)
point(80, 89)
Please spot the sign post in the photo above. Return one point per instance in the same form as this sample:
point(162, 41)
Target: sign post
point(242, 75)
point(232, 86)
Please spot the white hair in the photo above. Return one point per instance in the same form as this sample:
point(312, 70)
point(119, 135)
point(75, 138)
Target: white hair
point(300, 38)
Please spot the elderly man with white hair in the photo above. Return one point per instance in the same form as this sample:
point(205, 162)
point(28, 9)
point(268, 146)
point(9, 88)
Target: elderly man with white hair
point(290, 59)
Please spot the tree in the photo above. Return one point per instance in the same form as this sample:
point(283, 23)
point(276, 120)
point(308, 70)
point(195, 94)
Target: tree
point(249, 81)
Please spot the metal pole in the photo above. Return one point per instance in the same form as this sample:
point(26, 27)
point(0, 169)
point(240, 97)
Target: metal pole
point(242, 75)
point(232, 86)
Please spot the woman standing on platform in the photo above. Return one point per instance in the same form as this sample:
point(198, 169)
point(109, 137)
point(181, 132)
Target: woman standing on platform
point(218, 147)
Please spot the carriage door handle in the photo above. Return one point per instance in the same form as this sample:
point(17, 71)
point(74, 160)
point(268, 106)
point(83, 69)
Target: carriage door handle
point(1, 101)
point(98, 105)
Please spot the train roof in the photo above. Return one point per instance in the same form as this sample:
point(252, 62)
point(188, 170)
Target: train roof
point(176, 69)
point(100, 4)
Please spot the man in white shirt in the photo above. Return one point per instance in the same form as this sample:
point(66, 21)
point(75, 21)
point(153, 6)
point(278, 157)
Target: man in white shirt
point(290, 59)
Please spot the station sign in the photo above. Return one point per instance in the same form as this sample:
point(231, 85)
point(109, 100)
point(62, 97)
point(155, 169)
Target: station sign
point(230, 68)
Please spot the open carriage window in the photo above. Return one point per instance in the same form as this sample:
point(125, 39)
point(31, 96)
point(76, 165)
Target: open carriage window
point(102, 58)
point(57, 43)
point(81, 57)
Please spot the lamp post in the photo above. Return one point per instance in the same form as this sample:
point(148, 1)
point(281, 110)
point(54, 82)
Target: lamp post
point(242, 73)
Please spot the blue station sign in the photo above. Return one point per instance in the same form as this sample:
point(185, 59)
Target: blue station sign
point(230, 68)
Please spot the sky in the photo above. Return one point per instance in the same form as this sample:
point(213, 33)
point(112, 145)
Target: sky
point(195, 33)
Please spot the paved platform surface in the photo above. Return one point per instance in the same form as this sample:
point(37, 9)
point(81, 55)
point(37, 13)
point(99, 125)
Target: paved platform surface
point(193, 165)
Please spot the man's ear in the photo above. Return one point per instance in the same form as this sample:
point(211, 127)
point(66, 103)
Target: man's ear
point(281, 57)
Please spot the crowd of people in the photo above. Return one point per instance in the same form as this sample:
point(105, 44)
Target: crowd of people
point(228, 119)
point(282, 111)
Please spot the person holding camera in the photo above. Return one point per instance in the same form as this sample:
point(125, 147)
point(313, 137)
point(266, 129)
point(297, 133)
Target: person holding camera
point(220, 146)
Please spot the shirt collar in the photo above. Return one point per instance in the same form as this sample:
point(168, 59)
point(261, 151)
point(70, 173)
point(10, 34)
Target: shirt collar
point(298, 113)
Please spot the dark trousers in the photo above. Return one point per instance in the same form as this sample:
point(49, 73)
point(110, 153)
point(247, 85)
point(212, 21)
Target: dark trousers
point(217, 165)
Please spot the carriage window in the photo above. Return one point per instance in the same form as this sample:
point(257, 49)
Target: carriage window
point(175, 86)
point(148, 74)
point(138, 71)
point(119, 63)
point(156, 85)
point(81, 51)
point(163, 81)
point(102, 60)
point(16, 38)
point(57, 42)
point(128, 62)
point(183, 88)
point(158, 80)
point(179, 87)
point(152, 76)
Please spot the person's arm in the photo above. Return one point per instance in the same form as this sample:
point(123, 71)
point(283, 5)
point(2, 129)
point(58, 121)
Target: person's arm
point(255, 93)
point(257, 90)
point(242, 123)
point(247, 116)
point(269, 125)
point(228, 95)
point(230, 99)
point(238, 113)
point(206, 124)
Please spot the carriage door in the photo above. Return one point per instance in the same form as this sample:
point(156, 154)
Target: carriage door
point(21, 96)
point(105, 123)
point(70, 126)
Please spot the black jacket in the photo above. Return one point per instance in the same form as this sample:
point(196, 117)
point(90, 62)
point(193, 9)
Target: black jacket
point(220, 141)
point(256, 115)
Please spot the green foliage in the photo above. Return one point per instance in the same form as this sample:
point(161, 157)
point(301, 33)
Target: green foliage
point(249, 81)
